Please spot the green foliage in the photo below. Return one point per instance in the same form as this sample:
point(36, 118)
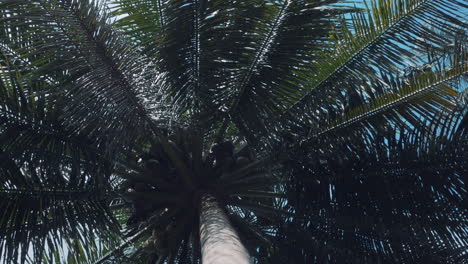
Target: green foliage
point(350, 125)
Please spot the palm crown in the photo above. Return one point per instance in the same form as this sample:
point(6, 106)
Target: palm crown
point(275, 131)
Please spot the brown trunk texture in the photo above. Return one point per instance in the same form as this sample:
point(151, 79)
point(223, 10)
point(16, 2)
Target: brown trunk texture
point(220, 243)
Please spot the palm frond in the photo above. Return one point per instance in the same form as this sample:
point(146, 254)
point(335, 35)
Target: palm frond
point(32, 136)
point(375, 55)
point(407, 182)
point(38, 222)
point(104, 79)
point(214, 66)
point(272, 79)
point(143, 21)
point(355, 122)
point(53, 182)
point(425, 91)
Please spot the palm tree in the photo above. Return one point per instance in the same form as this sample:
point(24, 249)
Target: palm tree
point(233, 131)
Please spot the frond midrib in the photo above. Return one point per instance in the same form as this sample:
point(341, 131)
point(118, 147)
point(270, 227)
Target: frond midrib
point(240, 88)
point(390, 105)
point(355, 55)
point(101, 52)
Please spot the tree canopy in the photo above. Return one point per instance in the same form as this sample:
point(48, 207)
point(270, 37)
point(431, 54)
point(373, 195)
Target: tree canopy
point(328, 131)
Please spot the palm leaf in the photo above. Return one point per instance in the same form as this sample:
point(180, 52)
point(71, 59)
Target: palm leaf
point(101, 89)
point(407, 183)
point(374, 55)
point(37, 222)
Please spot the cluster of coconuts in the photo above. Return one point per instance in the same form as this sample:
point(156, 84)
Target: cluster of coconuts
point(160, 174)
point(225, 160)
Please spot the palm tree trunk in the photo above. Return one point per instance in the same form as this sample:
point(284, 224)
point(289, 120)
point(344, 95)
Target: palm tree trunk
point(220, 243)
